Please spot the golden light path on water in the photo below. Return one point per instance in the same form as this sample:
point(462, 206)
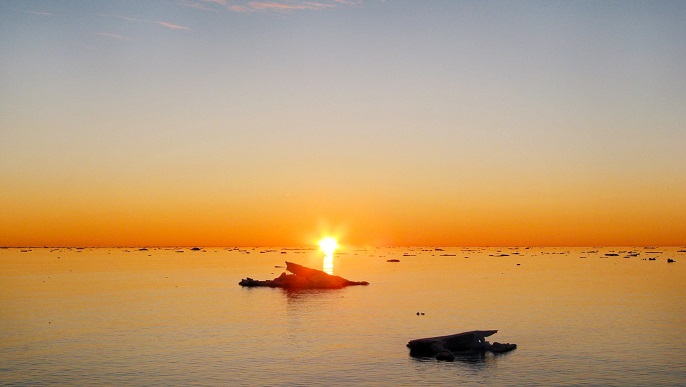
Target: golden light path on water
point(328, 264)
point(328, 245)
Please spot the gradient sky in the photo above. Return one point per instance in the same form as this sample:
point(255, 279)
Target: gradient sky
point(382, 122)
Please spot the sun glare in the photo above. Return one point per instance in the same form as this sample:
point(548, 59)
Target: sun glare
point(328, 245)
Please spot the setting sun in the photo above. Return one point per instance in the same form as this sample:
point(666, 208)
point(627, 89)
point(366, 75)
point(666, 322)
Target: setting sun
point(328, 245)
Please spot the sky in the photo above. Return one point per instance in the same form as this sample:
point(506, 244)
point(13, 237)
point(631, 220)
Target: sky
point(383, 123)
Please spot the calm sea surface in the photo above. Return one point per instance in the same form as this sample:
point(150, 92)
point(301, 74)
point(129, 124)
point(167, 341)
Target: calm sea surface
point(162, 317)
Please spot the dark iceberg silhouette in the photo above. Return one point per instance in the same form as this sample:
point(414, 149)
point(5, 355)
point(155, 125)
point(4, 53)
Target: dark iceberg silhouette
point(303, 278)
point(465, 343)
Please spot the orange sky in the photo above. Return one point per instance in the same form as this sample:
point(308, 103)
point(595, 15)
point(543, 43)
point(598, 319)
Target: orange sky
point(182, 214)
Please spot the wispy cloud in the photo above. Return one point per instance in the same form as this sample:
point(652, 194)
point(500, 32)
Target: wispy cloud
point(35, 12)
point(112, 36)
point(157, 22)
point(197, 5)
point(275, 6)
point(283, 5)
point(172, 26)
point(349, 2)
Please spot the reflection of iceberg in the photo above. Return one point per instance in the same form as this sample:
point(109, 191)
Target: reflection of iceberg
point(328, 264)
point(303, 278)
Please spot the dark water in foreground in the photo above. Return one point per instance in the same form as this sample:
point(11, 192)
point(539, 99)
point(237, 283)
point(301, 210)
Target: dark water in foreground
point(160, 317)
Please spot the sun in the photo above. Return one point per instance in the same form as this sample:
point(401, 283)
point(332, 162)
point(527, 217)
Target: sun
point(328, 245)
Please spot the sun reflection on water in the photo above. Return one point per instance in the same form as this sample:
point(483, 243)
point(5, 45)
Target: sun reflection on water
point(328, 264)
point(328, 245)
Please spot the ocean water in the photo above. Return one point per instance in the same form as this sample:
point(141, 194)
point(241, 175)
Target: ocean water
point(179, 317)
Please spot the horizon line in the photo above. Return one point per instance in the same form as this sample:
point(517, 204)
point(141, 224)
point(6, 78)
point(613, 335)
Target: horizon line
point(313, 247)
